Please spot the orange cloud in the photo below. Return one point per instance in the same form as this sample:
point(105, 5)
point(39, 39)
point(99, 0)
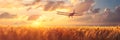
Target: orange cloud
point(7, 15)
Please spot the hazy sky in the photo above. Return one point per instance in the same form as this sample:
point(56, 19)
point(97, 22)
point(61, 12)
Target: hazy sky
point(107, 3)
point(16, 10)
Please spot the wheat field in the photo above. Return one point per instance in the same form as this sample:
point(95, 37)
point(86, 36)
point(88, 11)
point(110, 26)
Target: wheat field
point(60, 33)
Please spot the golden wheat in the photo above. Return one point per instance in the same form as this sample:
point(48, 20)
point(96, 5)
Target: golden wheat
point(60, 33)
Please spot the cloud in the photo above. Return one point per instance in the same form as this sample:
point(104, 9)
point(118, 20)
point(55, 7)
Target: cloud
point(117, 9)
point(30, 2)
point(6, 15)
point(73, 2)
point(106, 17)
point(33, 17)
point(95, 10)
point(84, 6)
point(95, 15)
point(115, 16)
point(53, 5)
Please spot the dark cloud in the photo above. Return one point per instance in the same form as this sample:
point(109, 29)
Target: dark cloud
point(96, 10)
point(117, 9)
point(6, 15)
point(106, 17)
point(115, 16)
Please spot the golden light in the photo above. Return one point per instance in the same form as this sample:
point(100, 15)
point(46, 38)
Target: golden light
point(36, 24)
point(47, 17)
point(40, 22)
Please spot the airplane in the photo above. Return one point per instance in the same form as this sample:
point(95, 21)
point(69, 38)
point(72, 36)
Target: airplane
point(69, 14)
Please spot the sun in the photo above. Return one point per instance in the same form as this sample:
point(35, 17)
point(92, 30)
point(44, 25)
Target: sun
point(36, 24)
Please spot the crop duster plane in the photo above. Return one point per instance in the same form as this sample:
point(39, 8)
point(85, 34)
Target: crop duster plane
point(69, 14)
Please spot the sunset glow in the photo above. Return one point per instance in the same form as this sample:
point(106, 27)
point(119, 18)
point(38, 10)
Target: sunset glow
point(50, 12)
point(59, 19)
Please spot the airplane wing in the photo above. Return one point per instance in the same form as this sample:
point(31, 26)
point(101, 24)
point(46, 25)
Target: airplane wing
point(78, 14)
point(63, 13)
point(67, 14)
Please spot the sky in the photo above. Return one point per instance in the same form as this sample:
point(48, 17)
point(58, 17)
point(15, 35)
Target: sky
point(37, 12)
point(107, 3)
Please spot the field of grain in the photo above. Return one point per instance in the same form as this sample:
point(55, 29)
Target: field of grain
point(60, 33)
